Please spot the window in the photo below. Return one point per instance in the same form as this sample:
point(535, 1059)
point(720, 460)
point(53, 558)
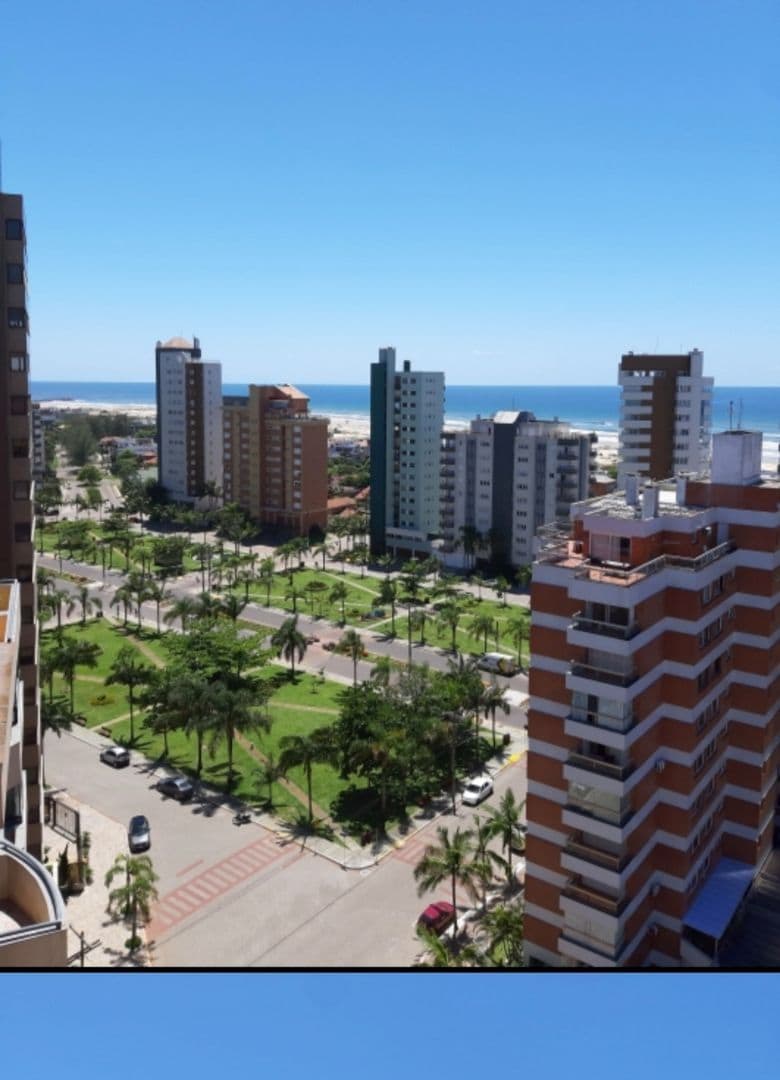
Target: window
point(19, 405)
point(20, 448)
point(21, 489)
point(14, 274)
point(17, 318)
point(18, 363)
point(14, 229)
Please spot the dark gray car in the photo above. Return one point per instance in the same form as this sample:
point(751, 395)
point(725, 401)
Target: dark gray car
point(139, 835)
point(177, 787)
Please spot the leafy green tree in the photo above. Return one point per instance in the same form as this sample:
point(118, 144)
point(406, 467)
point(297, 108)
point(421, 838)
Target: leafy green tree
point(307, 751)
point(450, 859)
point(132, 899)
point(504, 925)
point(130, 671)
point(289, 642)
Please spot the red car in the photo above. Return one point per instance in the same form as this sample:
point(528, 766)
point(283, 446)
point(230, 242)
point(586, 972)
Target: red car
point(437, 917)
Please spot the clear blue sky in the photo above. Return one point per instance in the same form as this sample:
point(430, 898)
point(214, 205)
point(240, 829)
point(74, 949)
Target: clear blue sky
point(513, 192)
point(311, 1027)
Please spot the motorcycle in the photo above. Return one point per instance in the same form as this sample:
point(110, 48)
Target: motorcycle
point(243, 817)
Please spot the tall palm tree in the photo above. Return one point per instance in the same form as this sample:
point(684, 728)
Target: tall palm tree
point(87, 603)
point(234, 712)
point(295, 594)
point(485, 860)
point(321, 549)
point(158, 594)
point(506, 822)
point(267, 774)
point(518, 629)
point(523, 576)
point(494, 698)
point(60, 598)
point(388, 594)
point(265, 575)
point(351, 643)
point(132, 899)
point(339, 595)
point(130, 671)
point(196, 698)
point(137, 586)
point(417, 621)
point(501, 587)
point(449, 617)
point(481, 625)
point(469, 540)
point(70, 654)
point(184, 608)
point(383, 669)
point(122, 598)
point(232, 606)
point(308, 750)
point(504, 925)
point(312, 590)
point(289, 641)
point(451, 858)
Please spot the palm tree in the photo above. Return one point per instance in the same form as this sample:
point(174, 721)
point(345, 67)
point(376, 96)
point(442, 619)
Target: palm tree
point(501, 589)
point(70, 654)
point(523, 576)
point(234, 712)
point(339, 595)
point(307, 751)
point(383, 669)
point(385, 562)
point(485, 860)
point(295, 594)
point(450, 859)
point(158, 594)
point(417, 621)
point(133, 899)
point(207, 607)
point(130, 671)
point(505, 822)
point(265, 575)
point(197, 699)
point(60, 598)
point(439, 952)
point(87, 603)
point(469, 541)
point(504, 925)
point(493, 698)
point(203, 552)
point(232, 606)
point(321, 549)
point(388, 594)
point(449, 616)
point(122, 598)
point(517, 627)
point(185, 608)
point(137, 586)
point(289, 641)
point(481, 625)
point(312, 590)
point(351, 643)
point(267, 774)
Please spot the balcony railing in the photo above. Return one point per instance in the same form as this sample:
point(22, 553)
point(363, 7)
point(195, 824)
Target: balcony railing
point(627, 574)
point(606, 859)
point(600, 674)
point(608, 629)
point(618, 818)
point(621, 724)
point(600, 765)
point(575, 890)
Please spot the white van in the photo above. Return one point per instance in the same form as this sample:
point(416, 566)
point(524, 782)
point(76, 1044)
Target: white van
point(498, 663)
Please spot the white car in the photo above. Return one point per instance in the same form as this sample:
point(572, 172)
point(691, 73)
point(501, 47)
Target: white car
point(477, 789)
point(118, 756)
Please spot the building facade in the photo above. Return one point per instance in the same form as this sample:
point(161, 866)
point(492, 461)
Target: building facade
point(275, 458)
point(502, 480)
point(17, 526)
point(665, 415)
point(189, 420)
point(654, 720)
point(407, 417)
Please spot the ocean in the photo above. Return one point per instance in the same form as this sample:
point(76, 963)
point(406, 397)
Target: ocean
point(592, 408)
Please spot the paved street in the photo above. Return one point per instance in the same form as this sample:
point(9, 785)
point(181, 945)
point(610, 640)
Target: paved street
point(236, 896)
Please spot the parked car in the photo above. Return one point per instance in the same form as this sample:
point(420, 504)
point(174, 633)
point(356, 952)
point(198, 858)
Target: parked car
point(497, 663)
point(329, 645)
point(437, 917)
point(177, 787)
point(477, 789)
point(139, 835)
point(118, 756)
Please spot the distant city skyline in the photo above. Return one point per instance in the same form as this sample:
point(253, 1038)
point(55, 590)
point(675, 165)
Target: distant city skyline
point(516, 196)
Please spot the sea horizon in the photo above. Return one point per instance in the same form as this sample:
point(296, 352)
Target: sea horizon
point(594, 408)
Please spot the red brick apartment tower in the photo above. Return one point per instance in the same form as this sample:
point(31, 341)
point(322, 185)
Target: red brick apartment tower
point(21, 815)
point(654, 721)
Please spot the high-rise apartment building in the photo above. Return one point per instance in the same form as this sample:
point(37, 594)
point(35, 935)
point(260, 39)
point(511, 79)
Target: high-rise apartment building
point(189, 420)
point(665, 415)
point(654, 720)
point(407, 416)
point(21, 812)
point(506, 477)
point(275, 463)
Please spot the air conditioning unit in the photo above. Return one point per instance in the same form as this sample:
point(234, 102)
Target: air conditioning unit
point(660, 765)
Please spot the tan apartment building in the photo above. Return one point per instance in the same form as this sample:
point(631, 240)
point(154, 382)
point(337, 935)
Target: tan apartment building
point(275, 458)
point(17, 524)
point(654, 719)
point(33, 927)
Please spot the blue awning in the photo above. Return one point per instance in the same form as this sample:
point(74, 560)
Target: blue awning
point(714, 907)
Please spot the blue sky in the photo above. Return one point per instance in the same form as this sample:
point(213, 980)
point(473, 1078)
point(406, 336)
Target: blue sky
point(351, 1026)
point(511, 192)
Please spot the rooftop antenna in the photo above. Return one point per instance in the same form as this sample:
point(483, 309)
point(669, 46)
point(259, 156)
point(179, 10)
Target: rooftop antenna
point(731, 416)
point(739, 415)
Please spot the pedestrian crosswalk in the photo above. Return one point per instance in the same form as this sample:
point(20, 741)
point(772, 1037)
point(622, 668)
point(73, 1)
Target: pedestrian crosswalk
point(211, 884)
point(412, 850)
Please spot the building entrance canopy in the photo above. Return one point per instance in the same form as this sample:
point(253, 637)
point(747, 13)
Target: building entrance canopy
point(714, 907)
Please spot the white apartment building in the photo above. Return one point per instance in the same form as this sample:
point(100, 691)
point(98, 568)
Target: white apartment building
point(189, 420)
point(665, 416)
point(466, 491)
point(407, 415)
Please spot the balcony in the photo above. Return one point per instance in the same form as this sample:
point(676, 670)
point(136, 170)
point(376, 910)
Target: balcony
point(620, 724)
point(583, 894)
point(616, 818)
point(603, 675)
point(607, 629)
point(602, 765)
point(33, 925)
point(576, 846)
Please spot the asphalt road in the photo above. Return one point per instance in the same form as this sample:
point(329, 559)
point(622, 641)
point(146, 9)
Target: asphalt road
point(238, 897)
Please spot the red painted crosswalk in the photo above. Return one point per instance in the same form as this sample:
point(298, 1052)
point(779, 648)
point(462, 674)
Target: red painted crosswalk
point(215, 882)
